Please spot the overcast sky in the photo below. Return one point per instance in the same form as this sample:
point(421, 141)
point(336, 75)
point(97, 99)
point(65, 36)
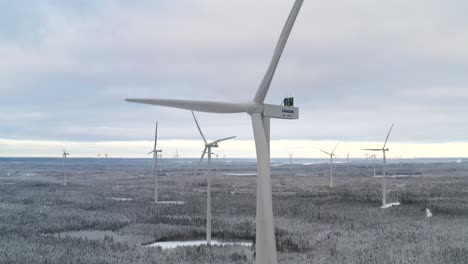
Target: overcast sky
point(353, 67)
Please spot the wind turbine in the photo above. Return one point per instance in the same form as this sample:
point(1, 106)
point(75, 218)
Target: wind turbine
point(290, 161)
point(64, 163)
point(176, 157)
point(105, 161)
point(367, 160)
point(373, 157)
point(331, 163)
point(207, 148)
point(383, 149)
point(347, 164)
point(155, 152)
point(260, 114)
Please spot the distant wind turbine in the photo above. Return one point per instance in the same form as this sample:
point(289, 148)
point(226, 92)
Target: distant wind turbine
point(290, 161)
point(208, 146)
point(331, 154)
point(367, 160)
point(154, 172)
point(260, 114)
point(347, 164)
point(64, 163)
point(373, 157)
point(383, 149)
point(105, 161)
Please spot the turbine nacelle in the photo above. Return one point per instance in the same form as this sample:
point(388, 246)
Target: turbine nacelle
point(280, 111)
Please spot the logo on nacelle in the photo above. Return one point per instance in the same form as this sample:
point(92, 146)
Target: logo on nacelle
point(287, 111)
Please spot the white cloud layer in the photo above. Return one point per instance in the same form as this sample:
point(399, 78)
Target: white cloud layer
point(232, 149)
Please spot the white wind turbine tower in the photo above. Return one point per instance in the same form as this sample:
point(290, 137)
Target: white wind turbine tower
point(105, 161)
point(374, 157)
point(154, 172)
point(383, 149)
point(207, 148)
point(176, 157)
point(290, 161)
point(347, 164)
point(160, 158)
point(331, 163)
point(260, 114)
point(64, 164)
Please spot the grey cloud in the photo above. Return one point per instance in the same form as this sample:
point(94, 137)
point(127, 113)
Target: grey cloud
point(353, 66)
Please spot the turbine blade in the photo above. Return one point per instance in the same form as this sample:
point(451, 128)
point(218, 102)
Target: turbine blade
point(200, 106)
point(265, 233)
point(325, 152)
point(199, 129)
point(150, 152)
point(265, 84)
point(388, 136)
point(335, 148)
point(223, 139)
point(200, 161)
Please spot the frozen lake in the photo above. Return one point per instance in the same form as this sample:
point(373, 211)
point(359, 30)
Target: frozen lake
point(390, 205)
point(196, 243)
point(170, 202)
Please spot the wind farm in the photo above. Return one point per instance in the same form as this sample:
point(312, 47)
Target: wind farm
point(178, 100)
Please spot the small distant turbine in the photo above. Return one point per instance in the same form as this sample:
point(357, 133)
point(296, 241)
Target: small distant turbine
point(367, 160)
point(373, 157)
point(383, 149)
point(64, 163)
point(154, 172)
point(207, 148)
point(176, 158)
point(290, 161)
point(347, 164)
point(105, 161)
point(331, 163)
